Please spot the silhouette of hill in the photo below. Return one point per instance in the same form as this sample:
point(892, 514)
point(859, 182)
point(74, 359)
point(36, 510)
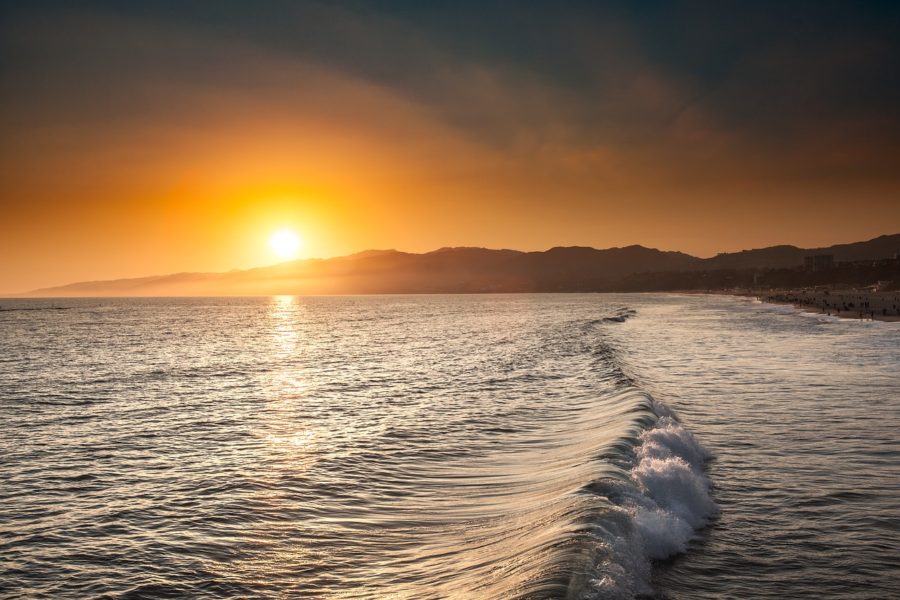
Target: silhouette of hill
point(471, 270)
point(779, 257)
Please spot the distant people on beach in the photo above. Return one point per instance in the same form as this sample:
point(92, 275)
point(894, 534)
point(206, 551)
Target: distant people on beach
point(851, 304)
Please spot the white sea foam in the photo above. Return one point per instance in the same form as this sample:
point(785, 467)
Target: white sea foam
point(781, 309)
point(665, 502)
point(824, 318)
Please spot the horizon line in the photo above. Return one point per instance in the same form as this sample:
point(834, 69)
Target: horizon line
point(22, 294)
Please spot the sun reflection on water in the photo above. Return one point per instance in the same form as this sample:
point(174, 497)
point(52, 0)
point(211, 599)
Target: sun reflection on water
point(287, 387)
point(283, 313)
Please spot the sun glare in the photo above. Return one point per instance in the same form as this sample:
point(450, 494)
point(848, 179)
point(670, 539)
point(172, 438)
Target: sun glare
point(285, 243)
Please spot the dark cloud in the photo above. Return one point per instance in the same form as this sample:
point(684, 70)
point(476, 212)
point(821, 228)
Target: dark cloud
point(678, 92)
point(763, 66)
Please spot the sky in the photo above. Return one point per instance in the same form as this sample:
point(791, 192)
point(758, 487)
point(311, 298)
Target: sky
point(149, 138)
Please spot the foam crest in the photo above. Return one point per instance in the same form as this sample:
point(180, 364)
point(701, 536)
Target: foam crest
point(664, 502)
point(669, 440)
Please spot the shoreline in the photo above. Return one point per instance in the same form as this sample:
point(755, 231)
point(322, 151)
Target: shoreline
point(858, 305)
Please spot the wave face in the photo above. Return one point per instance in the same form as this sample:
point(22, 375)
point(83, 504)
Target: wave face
point(404, 447)
point(666, 500)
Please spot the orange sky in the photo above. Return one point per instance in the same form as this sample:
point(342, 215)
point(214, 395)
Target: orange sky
point(132, 168)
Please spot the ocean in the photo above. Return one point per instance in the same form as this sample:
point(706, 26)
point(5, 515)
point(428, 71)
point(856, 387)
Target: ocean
point(472, 446)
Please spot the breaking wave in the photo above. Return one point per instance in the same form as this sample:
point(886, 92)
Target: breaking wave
point(659, 507)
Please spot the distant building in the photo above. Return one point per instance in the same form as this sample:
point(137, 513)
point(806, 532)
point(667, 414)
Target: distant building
point(819, 262)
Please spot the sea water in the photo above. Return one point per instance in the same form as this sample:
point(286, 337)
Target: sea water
point(484, 446)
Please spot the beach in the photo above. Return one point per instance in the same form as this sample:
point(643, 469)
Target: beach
point(850, 304)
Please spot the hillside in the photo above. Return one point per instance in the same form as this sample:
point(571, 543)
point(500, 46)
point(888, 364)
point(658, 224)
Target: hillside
point(779, 257)
point(470, 270)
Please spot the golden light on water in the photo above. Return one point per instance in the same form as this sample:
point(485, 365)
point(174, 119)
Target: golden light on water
point(285, 243)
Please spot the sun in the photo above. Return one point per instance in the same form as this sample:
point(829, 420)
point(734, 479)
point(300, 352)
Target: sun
point(284, 243)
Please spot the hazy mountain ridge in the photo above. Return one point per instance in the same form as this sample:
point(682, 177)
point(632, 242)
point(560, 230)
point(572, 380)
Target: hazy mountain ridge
point(783, 256)
point(465, 270)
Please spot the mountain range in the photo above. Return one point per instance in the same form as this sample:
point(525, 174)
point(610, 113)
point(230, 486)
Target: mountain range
point(469, 270)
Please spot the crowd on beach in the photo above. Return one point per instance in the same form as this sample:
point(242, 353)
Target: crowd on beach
point(850, 303)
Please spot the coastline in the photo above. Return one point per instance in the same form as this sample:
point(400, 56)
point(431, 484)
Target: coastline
point(862, 305)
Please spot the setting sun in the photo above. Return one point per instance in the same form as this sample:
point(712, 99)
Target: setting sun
point(285, 243)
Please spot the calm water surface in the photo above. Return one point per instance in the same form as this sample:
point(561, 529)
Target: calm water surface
point(546, 446)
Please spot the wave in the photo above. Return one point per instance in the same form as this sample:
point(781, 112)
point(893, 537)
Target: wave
point(658, 508)
point(660, 495)
point(622, 315)
point(582, 510)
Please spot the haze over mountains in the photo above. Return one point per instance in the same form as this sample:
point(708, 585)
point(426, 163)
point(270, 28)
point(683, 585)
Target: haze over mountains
point(473, 270)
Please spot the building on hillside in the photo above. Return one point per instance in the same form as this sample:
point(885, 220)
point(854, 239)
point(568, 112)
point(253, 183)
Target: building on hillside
point(819, 262)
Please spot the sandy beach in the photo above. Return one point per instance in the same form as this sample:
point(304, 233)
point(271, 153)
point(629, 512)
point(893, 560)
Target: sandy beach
point(851, 304)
